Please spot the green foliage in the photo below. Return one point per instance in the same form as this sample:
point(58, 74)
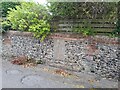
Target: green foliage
point(116, 32)
point(61, 9)
point(85, 31)
point(5, 25)
point(5, 5)
point(105, 10)
point(41, 29)
point(30, 16)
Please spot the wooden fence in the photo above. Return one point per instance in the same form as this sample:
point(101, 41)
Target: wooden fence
point(98, 25)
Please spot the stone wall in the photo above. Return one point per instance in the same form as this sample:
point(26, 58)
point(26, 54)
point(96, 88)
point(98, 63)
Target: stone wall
point(98, 54)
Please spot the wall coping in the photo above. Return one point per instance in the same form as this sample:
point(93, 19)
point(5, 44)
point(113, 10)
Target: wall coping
point(70, 36)
point(20, 33)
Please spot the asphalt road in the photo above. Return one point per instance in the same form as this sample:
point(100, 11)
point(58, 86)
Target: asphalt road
point(15, 76)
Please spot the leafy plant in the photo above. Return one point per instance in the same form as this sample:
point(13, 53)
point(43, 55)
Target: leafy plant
point(85, 31)
point(41, 29)
point(5, 25)
point(105, 10)
point(30, 16)
point(90, 11)
point(5, 5)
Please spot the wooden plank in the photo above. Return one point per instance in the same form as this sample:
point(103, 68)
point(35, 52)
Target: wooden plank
point(81, 22)
point(65, 29)
point(95, 29)
point(90, 20)
point(99, 25)
point(102, 30)
point(92, 25)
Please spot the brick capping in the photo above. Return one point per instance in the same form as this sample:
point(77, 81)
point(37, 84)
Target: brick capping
point(20, 33)
point(71, 36)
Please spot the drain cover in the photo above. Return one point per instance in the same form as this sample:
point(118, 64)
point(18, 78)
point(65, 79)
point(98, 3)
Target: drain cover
point(32, 80)
point(13, 71)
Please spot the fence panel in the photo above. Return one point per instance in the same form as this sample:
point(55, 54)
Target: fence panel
point(98, 25)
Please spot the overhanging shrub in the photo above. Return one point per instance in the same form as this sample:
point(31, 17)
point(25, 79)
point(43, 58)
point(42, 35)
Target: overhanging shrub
point(30, 16)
